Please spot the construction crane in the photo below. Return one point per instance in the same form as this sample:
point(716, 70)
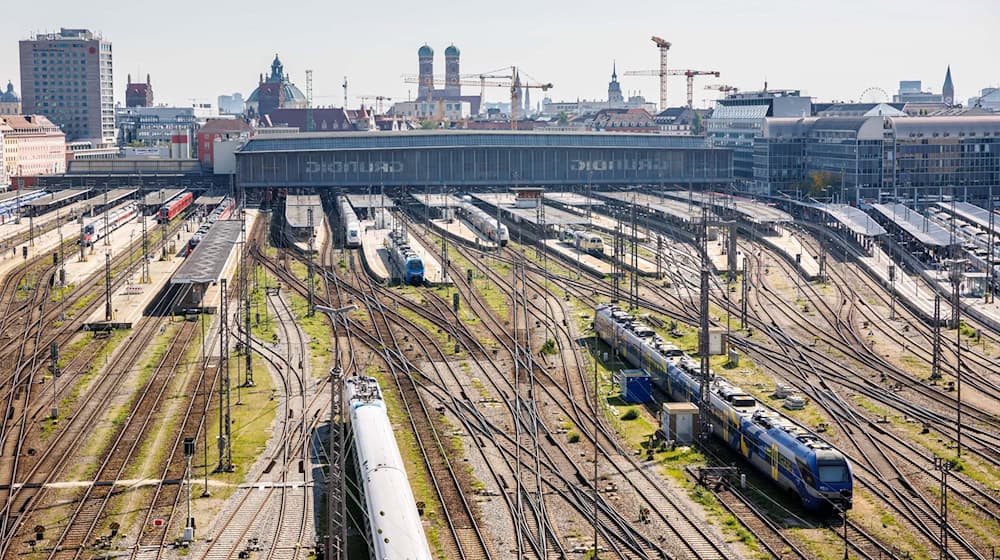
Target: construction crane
point(486, 80)
point(379, 100)
point(689, 74)
point(663, 47)
point(723, 88)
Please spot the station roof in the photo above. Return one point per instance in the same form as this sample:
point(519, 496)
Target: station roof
point(553, 215)
point(853, 218)
point(370, 201)
point(156, 198)
point(417, 139)
point(207, 200)
point(915, 224)
point(297, 210)
point(438, 200)
point(113, 196)
point(12, 195)
point(682, 210)
point(752, 210)
point(573, 199)
point(972, 214)
point(204, 265)
point(56, 197)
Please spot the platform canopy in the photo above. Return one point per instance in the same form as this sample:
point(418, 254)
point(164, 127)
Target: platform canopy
point(552, 215)
point(205, 264)
point(915, 224)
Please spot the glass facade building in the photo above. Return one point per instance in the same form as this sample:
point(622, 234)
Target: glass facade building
point(466, 158)
point(876, 158)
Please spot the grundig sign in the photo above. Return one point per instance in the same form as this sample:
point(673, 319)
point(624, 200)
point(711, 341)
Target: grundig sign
point(354, 167)
point(619, 165)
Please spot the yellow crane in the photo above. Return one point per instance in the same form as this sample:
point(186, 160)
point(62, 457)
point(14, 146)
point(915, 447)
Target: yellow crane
point(689, 74)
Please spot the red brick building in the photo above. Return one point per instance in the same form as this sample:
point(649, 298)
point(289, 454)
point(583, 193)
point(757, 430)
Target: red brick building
point(139, 95)
point(219, 129)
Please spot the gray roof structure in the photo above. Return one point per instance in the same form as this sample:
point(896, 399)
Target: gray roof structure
point(114, 196)
point(208, 200)
point(438, 200)
point(297, 210)
point(553, 215)
point(205, 264)
point(752, 210)
point(972, 214)
point(675, 208)
point(359, 201)
point(4, 197)
point(157, 198)
point(57, 197)
point(853, 218)
point(572, 199)
point(915, 224)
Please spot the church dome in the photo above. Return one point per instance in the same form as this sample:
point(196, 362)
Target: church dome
point(425, 51)
point(9, 96)
point(452, 50)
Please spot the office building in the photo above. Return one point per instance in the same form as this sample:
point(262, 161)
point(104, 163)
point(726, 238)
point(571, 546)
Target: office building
point(219, 130)
point(67, 77)
point(231, 104)
point(873, 158)
point(988, 99)
point(32, 145)
point(151, 126)
point(139, 94)
point(739, 118)
point(10, 103)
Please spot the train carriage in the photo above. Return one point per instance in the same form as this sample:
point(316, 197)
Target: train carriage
point(792, 457)
point(98, 228)
point(404, 259)
point(171, 209)
point(351, 224)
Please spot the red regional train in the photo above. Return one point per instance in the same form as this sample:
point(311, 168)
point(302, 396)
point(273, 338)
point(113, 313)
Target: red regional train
point(168, 211)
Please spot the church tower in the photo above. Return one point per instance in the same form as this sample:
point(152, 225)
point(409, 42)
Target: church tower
point(615, 97)
point(948, 89)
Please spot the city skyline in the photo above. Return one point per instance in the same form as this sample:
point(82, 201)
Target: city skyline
point(197, 51)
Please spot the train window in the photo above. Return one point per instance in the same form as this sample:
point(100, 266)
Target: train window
point(805, 473)
point(832, 472)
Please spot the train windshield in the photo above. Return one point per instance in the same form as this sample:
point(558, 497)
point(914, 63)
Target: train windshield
point(88, 229)
point(353, 233)
point(832, 472)
point(414, 265)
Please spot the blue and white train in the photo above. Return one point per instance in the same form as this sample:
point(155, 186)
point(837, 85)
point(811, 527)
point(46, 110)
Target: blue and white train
point(485, 224)
point(221, 212)
point(393, 522)
point(352, 226)
point(791, 456)
point(9, 207)
point(404, 259)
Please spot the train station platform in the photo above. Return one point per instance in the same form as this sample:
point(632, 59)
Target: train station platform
point(52, 201)
point(683, 211)
point(133, 299)
point(586, 261)
point(106, 199)
point(370, 201)
point(152, 201)
point(378, 264)
point(373, 254)
point(462, 231)
point(751, 210)
point(788, 244)
point(205, 266)
point(915, 225)
point(572, 199)
point(505, 201)
point(437, 200)
point(972, 214)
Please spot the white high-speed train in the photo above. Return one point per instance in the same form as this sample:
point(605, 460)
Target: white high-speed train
point(486, 224)
point(393, 521)
point(352, 227)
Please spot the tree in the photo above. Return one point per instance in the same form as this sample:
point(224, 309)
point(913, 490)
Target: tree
point(563, 118)
point(819, 182)
point(697, 124)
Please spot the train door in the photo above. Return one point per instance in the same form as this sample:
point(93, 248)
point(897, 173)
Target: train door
point(774, 461)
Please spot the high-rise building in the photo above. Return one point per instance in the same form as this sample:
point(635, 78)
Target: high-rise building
point(139, 94)
point(231, 104)
point(67, 76)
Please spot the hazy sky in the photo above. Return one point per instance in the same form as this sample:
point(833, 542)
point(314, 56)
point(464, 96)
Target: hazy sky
point(832, 50)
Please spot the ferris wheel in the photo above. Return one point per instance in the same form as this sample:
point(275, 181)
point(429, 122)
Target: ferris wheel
point(874, 95)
